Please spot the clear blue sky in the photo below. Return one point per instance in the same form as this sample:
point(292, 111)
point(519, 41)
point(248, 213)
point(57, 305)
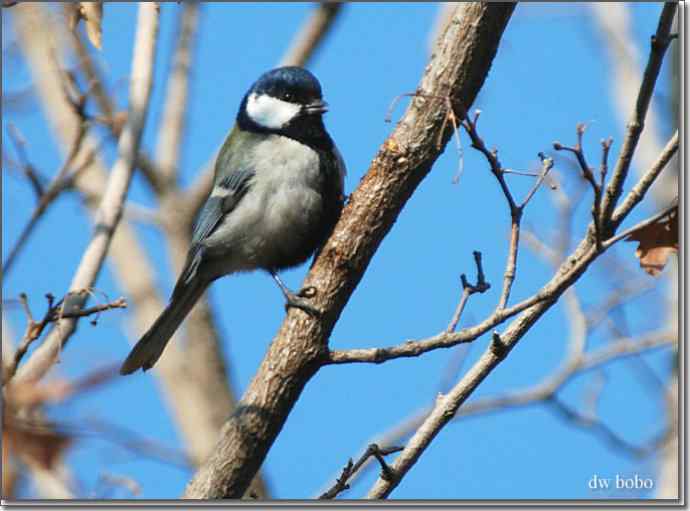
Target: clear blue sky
point(551, 72)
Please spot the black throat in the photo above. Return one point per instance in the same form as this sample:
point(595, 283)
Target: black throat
point(305, 129)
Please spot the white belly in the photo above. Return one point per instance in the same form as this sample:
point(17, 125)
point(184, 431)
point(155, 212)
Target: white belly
point(278, 212)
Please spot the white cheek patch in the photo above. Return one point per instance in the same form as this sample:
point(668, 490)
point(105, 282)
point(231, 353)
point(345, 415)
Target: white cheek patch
point(270, 112)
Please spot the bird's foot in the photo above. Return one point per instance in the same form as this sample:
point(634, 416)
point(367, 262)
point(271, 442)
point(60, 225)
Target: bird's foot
point(297, 300)
point(300, 300)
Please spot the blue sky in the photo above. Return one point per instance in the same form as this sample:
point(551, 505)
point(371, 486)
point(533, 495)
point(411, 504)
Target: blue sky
point(550, 73)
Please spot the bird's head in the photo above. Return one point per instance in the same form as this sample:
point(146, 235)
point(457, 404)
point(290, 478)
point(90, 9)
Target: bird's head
point(282, 97)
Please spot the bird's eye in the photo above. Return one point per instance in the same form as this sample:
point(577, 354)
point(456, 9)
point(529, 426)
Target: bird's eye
point(287, 96)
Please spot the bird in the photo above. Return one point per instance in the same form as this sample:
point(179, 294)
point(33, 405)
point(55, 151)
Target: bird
point(278, 191)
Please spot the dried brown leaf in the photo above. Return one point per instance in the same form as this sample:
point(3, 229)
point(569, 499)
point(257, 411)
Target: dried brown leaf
point(30, 394)
point(35, 445)
point(34, 442)
point(657, 241)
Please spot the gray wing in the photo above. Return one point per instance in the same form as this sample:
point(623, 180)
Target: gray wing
point(342, 170)
point(224, 197)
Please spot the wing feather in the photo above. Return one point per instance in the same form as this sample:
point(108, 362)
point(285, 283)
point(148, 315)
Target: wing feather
point(225, 196)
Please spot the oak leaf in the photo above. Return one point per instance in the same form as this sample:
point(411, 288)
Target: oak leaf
point(657, 241)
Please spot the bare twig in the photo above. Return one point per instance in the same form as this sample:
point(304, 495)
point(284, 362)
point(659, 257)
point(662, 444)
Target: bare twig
point(658, 216)
point(26, 166)
point(511, 262)
point(423, 425)
point(604, 167)
point(458, 68)
point(588, 176)
point(491, 156)
point(520, 173)
point(659, 44)
point(577, 363)
point(414, 348)
point(112, 119)
point(546, 166)
point(312, 34)
point(601, 429)
point(468, 290)
point(63, 180)
point(535, 394)
point(640, 189)
point(110, 210)
point(540, 392)
point(615, 22)
point(373, 451)
point(55, 312)
point(448, 405)
point(516, 210)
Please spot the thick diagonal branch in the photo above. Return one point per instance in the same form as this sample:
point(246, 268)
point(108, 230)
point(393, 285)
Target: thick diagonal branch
point(457, 70)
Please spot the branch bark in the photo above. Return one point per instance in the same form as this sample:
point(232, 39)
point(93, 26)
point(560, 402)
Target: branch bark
point(567, 274)
point(202, 362)
point(111, 206)
point(615, 23)
point(537, 393)
point(659, 44)
point(312, 34)
point(173, 121)
point(457, 70)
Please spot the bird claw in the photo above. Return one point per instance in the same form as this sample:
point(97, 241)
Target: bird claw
point(298, 301)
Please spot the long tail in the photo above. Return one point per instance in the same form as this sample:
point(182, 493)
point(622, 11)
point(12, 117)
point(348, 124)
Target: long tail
point(150, 347)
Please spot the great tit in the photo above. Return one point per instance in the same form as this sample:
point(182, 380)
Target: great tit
point(277, 194)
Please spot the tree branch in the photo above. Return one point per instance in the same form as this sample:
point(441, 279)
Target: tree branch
point(312, 34)
point(457, 70)
point(414, 348)
point(616, 350)
point(197, 406)
point(659, 44)
point(109, 117)
point(115, 194)
point(63, 180)
point(468, 290)
point(615, 22)
point(168, 150)
point(642, 186)
point(373, 451)
point(55, 312)
point(566, 275)
point(644, 223)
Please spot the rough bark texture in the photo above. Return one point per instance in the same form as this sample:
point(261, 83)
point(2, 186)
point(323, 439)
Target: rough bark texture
point(199, 400)
point(111, 206)
point(457, 70)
